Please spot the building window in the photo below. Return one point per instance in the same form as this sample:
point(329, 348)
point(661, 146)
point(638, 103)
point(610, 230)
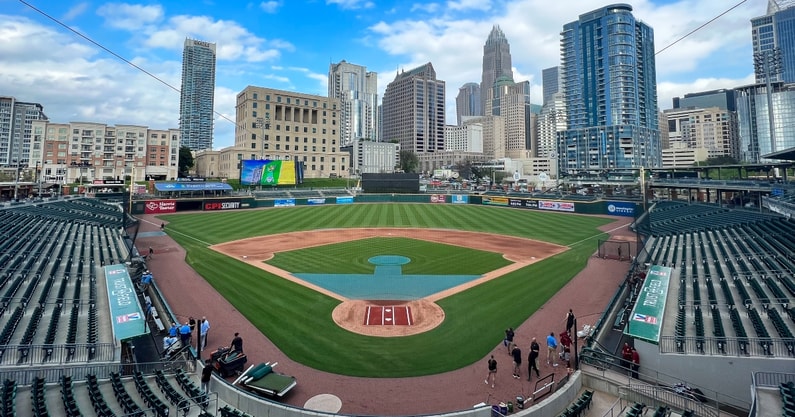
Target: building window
point(255, 96)
point(254, 105)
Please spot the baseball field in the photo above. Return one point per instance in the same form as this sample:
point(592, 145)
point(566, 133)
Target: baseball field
point(298, 318)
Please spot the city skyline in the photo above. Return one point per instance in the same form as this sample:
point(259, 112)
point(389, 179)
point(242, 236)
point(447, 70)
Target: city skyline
point(77, 81)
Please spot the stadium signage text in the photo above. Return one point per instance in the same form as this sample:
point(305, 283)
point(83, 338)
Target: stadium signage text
point(160, 206)
point(437, 198)
point(222, 205)
point(617, 208)
point(555, 205)
point(645, 322)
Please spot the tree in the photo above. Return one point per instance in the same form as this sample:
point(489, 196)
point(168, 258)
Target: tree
point(719, 160)
point(464, 169)
point(185, 161)
point(409, 161)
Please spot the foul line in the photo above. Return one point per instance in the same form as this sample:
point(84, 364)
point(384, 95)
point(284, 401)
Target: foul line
point(183, 234)
point(595, 236)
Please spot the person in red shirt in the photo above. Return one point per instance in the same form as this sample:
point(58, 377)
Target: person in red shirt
point(635, 363)
point(626, 357)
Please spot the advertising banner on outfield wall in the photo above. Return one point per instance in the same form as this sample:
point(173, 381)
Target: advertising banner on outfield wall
point(284, 202)
point(315, 201)
point(621, 208)
point(555, 205)
point(523, 203)
point(344, 200)
point(495, 201)
point(160, 206)
point(438, 198)
point(222, 205)
point(459, 199)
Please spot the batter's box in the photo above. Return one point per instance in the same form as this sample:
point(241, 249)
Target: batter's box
point(376, 315)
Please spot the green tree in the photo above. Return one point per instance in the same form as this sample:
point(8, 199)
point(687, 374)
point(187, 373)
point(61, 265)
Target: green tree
point(719, 160)
point(409, 161)
point(185, 161)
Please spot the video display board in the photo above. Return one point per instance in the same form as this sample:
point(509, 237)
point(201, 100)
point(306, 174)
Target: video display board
point(268, 172)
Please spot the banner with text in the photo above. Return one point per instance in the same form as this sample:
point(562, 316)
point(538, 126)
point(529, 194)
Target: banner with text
point(495, 201)
point(344, 200)
point(646, 318)
point(556, 205)
point(315, 201)
point(160, 206)
point(621, 208)
point(459, 199)
point(127, 317)
point(284, 202)
point(438, 198)
point(222, 205)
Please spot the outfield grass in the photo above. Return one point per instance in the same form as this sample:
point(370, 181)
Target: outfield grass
point(298, 320)
point(352, 257)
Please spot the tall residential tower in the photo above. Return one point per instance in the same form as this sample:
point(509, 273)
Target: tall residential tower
point(357, 90)
point(610, 92)
point(197, 95)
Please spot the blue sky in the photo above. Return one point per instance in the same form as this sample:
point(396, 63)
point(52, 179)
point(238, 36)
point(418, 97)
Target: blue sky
point(289, 44)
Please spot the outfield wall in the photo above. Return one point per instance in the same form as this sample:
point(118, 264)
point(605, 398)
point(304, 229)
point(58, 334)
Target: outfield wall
point(599, 207)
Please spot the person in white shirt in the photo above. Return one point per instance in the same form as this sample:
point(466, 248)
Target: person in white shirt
point(203, 329)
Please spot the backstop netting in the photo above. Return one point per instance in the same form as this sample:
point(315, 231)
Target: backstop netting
point(615, 249)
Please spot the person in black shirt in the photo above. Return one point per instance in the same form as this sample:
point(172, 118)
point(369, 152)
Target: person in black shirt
point(492, 371)
point(207, 373)
point(237, 343)
point(517, 361)
point(532, 359)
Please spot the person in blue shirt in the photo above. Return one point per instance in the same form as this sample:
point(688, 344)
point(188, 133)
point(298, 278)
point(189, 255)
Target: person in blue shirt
point(184, 334)
point(552, 347)
point(174, 330)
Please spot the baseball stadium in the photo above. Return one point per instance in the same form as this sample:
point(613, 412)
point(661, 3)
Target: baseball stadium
point(311, 302)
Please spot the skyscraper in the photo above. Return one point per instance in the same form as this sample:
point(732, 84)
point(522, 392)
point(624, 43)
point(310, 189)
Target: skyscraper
point(610, 92)
point(197, 95)
point(16, 118)
point(467, 102)
point(774, 42)
point(496, 62)
point(512, 101)
point(357, 90)
point(413, 110)
point(550, 82)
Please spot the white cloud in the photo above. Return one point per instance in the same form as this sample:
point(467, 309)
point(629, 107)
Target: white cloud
point(270, 6)
point(482, 5)
point(76, 10)
point(424, 7)
point(130, 17)
point(667, 90)
point(352, 4)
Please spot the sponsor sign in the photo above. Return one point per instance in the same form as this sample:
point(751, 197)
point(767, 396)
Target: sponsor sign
point(128, 317)
point(620, 208)
point(495, 201)
point(345, 200)
point(315, 201)
point(284, 202)
point(646, 319)
point(222, 205)
point(438, 198)
point(459, 199)
point(160, 206)
point(108, 182)
point(556, 205)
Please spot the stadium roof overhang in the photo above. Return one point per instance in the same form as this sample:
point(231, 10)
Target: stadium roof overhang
point(192, 186)
point(786, 155)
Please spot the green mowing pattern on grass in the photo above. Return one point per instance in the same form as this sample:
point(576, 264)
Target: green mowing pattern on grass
point(427, 258)
point(298, 320)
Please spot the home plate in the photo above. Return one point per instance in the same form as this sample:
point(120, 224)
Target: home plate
point(328, 403)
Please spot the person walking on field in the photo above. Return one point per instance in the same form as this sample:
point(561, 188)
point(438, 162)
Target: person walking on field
point(569, 321)
point(509, 335)
point(517, 361)
point(532, 359)
point(552, 347)
point(492, 371)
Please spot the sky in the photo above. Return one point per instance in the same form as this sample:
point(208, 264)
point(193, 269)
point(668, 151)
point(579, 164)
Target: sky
point(289, 44)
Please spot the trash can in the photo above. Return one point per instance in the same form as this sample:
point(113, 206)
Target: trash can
point(504, 409)
point(510, 407)
point(495, 411)
point(519, 402)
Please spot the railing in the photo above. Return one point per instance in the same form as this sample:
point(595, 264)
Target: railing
point(32, 355)
point(78, 372)
point(771, 379)
point(729, 346)
point(655, 396)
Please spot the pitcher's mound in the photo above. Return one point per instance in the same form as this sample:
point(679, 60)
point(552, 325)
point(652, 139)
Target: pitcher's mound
point(351, 314)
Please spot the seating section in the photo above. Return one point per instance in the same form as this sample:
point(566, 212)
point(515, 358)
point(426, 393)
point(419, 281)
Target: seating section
point(787, 390)
point(97, 399)
point(578, 407)
point(635, 410)
point(227, 411)
point(152, 401)
point(68, 397)
point(49, 254)
point(725, 259)
point(194, 391)
point(37, 398)
point(131, 408)
point(8, 398)
point(182, 403)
